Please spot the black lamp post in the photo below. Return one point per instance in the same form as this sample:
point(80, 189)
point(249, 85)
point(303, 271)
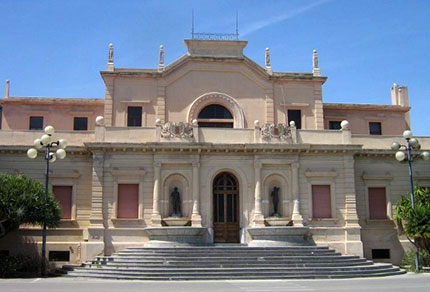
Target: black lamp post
point(50, 157)
point(411, 144)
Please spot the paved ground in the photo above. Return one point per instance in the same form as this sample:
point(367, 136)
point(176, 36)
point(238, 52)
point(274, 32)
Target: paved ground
point(409, 282)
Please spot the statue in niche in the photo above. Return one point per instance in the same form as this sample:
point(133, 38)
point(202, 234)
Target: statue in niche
point(275, 200)
point(175, 196)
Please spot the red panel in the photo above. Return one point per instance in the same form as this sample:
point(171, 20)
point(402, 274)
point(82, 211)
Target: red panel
point(321, 201)
point(63, 194)
point(128, 200)
point(377, 203)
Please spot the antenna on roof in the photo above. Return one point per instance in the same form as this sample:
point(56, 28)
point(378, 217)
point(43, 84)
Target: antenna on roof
point(213, 35)
point(237, 24)
point(192, 23)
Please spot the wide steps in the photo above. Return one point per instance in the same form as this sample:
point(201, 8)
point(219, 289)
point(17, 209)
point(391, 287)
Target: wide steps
point(229, 262)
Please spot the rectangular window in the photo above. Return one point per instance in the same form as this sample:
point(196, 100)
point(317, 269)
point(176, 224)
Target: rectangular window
point(334, 125)
point(377, 203)
point(128, 201)
point(1, 113)
point(80, 124)
point(375, 128)
point(296, 116)
point(59, 256)
point(36, 123)
point(63, 194)
point(321, 201)
point(134, 116)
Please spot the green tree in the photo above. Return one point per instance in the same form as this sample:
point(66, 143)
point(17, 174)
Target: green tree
point(415, 223)
point(22, 200)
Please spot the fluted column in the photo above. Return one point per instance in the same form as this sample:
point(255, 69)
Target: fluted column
point(196, 218)
point(156, 217)
point(258, 214)
point(297, 216)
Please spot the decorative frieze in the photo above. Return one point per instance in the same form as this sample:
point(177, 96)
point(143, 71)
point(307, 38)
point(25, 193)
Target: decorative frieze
point(177, 130)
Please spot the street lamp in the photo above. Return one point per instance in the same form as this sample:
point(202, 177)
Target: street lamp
point(411, 144)
point(50, 157)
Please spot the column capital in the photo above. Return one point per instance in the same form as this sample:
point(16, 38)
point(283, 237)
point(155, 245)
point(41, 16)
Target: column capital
point(157, 164)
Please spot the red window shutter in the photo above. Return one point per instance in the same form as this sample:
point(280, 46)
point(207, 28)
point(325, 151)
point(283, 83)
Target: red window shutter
point(128, 201)
point(377, 203)
point(321, 201)
point(63, 194)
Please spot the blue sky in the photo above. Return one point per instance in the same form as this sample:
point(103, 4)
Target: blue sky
point(57, 48)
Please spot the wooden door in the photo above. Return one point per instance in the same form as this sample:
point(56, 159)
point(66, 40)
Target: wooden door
point(226, 208)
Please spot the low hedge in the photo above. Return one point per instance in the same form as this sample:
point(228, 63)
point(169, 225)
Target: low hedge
point(19, 266)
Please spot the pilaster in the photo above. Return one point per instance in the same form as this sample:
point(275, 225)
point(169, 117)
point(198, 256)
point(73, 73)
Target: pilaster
point(109, 95)
point(156, 217)
point(161, 103)
point(296, 216)
point(258, 214)
point(196, 218)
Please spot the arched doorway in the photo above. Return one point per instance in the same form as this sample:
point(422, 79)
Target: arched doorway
point(226, 208)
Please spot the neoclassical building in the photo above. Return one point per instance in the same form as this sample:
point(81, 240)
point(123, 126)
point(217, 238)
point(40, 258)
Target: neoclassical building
point(214, 148)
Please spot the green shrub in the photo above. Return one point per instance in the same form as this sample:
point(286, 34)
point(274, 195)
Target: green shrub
point(22, 200)
point(408, 261)
point(19, 266)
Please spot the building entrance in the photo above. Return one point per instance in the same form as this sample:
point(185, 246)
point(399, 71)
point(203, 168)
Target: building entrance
point(226, 208)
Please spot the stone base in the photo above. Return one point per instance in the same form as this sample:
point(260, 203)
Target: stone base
point(279, 236)
point(176, 236)
point(176, 221)
point(278, 221)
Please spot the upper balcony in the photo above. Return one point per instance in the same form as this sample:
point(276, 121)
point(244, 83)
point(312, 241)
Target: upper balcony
point(169, 134)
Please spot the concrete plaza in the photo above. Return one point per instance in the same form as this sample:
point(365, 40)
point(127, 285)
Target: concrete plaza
point(408, 282)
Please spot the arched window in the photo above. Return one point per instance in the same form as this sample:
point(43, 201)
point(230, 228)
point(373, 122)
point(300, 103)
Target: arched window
point(215, 116)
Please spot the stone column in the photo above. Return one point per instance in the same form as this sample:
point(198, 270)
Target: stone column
point(258, 214)
point(156, 217)
point(196, 218)
point(296, 216)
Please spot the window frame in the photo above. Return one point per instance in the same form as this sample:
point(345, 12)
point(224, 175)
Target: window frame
point(74, 123)
point(215, 120)
point(72, 199)
point(378, 181)
point(128, 116)
point(127, 177)
point(29, 122)
point(380, 128)
point(300, 126)
point(322, 178)
point(334, 121)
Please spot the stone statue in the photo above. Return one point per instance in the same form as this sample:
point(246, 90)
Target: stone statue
point(176, 203)
point(315, 59)
point(110, 58)
point(268, 57)
point(161, 61)
point(275, 201)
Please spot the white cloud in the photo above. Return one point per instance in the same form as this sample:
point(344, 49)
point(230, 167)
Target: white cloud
point(293, 13)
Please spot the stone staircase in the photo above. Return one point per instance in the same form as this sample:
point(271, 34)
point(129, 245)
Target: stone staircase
point(229, 262)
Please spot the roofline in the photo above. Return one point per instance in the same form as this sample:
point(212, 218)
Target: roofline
point(366, 107)
point(53, 100)
point(155, 73)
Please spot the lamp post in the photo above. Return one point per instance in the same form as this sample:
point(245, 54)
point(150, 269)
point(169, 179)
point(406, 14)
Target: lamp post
point(411, 144)
point(45, 144)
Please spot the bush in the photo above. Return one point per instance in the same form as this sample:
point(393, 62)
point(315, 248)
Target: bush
point(19, 266)
point(22, 200)
point(408, 261)
point(415, 223)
